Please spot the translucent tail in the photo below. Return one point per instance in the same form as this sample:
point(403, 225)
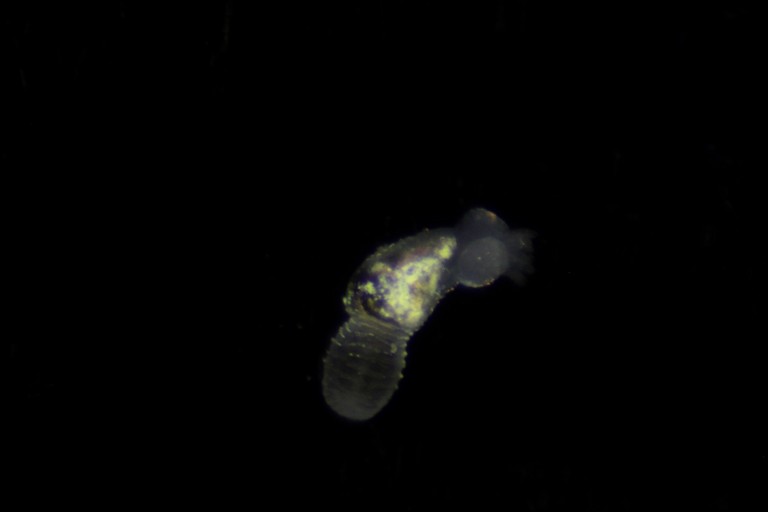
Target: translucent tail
point(363, 366)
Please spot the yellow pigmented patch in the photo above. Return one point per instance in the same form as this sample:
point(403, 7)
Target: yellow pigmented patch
point(409, 290)
point(404, 289)
point(445, 251)
point(380, 267)
point(432, 285)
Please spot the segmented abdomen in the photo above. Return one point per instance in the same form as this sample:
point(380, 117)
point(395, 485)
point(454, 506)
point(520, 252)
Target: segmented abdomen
point(363, 366)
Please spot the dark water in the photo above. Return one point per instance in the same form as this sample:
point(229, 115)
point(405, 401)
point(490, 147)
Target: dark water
point(190, 186)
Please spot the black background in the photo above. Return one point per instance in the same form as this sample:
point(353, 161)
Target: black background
point(190, 185)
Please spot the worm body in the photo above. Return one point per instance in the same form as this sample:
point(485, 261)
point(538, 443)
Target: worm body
point(392, 294)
